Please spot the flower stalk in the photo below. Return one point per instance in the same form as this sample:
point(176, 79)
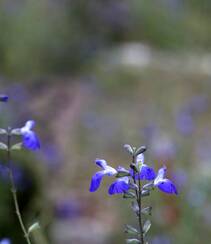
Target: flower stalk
point(13, 188)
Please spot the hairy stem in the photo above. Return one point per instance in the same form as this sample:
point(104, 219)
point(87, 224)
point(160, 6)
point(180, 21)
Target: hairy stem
point(14, 191)
point(138, 199)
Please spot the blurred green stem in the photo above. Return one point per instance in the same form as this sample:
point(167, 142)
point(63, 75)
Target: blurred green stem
point(14, 191)
point(138, 199)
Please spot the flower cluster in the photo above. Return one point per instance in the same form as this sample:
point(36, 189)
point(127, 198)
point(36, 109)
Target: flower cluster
point(124, 181)
point(131, 183)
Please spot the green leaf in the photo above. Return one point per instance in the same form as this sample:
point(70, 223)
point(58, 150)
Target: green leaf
point(135, 207)
point(3, 131)
point(33, 227)
point(147, 226)
point(147, 210)
point(132, 241)
point(148, 186)
point(129, 194)
point(140, 150)
point(17, 146)
point(131, 230)
point(3, 146)
point(145, 193)
point(16, 132)
point(36, 233)
point(129, 149)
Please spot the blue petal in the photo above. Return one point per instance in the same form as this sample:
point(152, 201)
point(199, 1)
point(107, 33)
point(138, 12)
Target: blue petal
point(5, 241)
point(3, 98)
point(119, 186)
point(30, 140)
point(96, 180)
point(167, 186)
point(147, 173)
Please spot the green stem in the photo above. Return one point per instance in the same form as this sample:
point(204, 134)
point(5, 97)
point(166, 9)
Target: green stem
point(14, 191)
point(138, 199)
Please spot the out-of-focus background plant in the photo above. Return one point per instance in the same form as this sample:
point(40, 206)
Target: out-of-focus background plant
point(95, 75)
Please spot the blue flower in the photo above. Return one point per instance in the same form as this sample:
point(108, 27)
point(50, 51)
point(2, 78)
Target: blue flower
point(97, 177)
point(145, 172)
point(163, 183)
point(5, 241)
point(3, 98)
point(121, 185)
point(30, 139)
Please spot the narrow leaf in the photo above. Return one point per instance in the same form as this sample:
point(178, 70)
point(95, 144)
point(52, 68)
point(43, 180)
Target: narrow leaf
point(131, 230)
point(147, 226)
point(140, 150)
point(147, 210)
point(3, 146)
point(145, 193)
point(36, 233)
point(148, 186)
point(17, 146)
point(16, 132)
point(3, 131)
point(132, 241)
point(135, 207)
point(129, 194)
point(128, 148)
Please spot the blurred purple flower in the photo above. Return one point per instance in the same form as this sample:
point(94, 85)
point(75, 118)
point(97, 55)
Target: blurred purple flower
point(161, 239)
point(4, 98)
point(184, 123)
point(5, 241)
point(67, 208)
point(30, 139)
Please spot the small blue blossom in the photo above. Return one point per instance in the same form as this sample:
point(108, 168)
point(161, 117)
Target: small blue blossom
point(121, 185)
point(30, 139)
point(145, 172)
point(163, 183)
point(97, 177)
point(5, 241)
point(4, 98)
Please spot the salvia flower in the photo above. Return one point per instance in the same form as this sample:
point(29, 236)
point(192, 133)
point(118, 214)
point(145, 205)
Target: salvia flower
point(163, 183)
point(97, 177)
point(121, 185)
point(145, 172)
point(4, 98)
point(30, 139)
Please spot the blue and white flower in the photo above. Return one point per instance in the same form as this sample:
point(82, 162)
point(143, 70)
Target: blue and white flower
point(163, 183)
point(121, 185)
point(30, 139)
point(97, 177)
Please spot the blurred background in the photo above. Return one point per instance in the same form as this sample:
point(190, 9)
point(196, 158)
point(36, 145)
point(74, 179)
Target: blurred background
point(95, 75)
